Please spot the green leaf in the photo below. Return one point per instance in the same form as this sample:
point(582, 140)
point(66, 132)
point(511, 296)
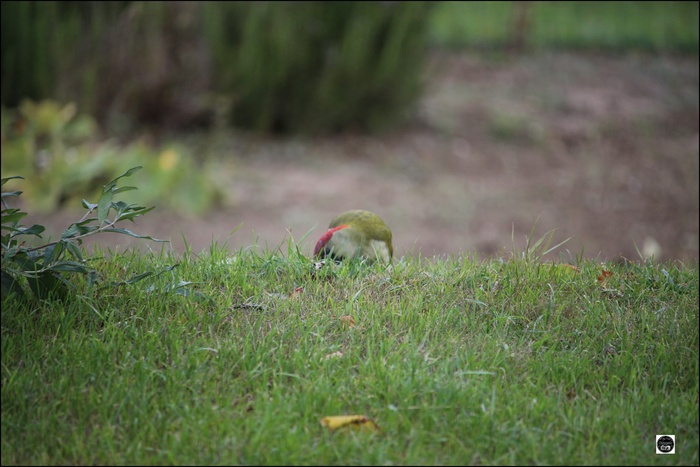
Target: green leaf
point(108, 192)
point(10, 194)
point(52, 252)
point(74, 250)
point(121, 206)
point(139, 277)
point(86, 221)
point(48, 285)
point(88, 205)
point(110, 186)
point(33, 230)
point(123, 189)
point(69, 266)
point(5, 179)
point(169, 268)
point(10, 285)
point(103, 207)
point(25, 261)
point(11, 229)
point(71, 231)
point(132, 234)
point(10, 253)
point(129, 172)
point(13, 217)
point(131, 215)
point(6, 242)
point(77, 229)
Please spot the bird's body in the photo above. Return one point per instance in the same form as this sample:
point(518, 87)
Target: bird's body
point(356, 233)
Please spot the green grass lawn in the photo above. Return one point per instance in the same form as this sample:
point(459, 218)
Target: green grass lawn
point(235, 358)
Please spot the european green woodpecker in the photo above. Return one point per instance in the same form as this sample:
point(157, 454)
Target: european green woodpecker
point(356, 233)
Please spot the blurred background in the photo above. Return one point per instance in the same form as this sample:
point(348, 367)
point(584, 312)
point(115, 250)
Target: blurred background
point(467, 126)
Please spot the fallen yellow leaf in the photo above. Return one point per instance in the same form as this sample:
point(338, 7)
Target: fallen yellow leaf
point(358, 422)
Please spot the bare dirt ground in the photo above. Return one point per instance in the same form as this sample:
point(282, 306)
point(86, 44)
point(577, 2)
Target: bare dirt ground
point(604, 149)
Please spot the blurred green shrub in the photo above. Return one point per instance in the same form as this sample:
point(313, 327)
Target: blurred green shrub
point(280, 66)
point(64, 160)
point(44, 44)
point(318, 66)
point(128, 64)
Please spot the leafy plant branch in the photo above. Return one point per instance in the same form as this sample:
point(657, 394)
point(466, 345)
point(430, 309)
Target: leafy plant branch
point(42, 264)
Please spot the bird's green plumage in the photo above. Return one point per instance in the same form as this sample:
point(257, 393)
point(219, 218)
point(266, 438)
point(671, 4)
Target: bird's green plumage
point(366, 235)
point(370, 224)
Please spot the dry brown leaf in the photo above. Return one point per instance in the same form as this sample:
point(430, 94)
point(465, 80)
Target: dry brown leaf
point(295, 293)
point(347, 320)
point(603, 278)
